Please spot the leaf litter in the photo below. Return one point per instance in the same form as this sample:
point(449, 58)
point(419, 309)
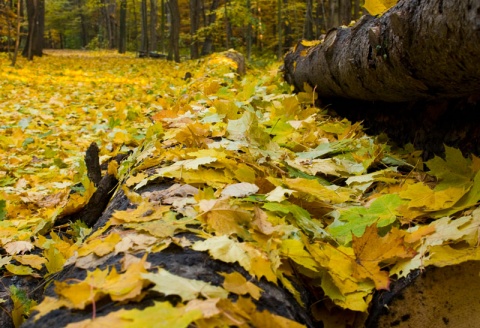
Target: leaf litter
point(262, 176)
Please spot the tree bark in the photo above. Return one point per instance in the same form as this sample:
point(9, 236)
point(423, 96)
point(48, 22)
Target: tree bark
point(122, 35)
point(308, 25)
point(210, 19)
point(417, 50)
point(174, 51)
point(153, 25)
point(195, 10)
point(36, 26)
point(144, 36)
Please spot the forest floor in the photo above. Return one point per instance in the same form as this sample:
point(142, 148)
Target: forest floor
point(293, 189)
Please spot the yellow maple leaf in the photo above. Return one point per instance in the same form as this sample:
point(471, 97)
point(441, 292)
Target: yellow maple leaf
point(371, 251)
point(32, 260)
point(99, 246)
point(223, 218)
point(20, 270)
point(224, 249)
point(161, 315)
point(294, 249)
point(143, 213)
point(422, 197)
point(378, 7)
point(120, 286)
point(188, 289)
point(236, 283)
point(312, 188)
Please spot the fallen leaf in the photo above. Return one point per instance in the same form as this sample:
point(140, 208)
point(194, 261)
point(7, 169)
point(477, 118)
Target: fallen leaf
point(188, 289)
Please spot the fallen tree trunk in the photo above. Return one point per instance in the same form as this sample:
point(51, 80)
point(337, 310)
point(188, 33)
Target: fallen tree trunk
point(175, 259)
point(417, 50)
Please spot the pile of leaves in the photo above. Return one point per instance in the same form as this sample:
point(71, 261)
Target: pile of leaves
point(263, 177)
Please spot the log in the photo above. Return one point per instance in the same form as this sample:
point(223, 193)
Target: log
point(180, 261)
point(417, 50)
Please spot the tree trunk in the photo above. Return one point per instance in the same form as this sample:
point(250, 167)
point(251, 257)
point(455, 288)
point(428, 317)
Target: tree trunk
point(248, 35)
point(178, 260)
point(162, 26)
point(153, 25)
point(308, 25)
point(144, 51)
point(83, 24)
point(36, 26)
point(417, 50)
point(279, 29)
point(174, 51)
point(109, 19)
point(17, 33)
point(210, 19)
point(195, 10)
point(122, 35)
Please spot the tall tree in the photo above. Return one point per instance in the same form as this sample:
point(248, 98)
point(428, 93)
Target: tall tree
point(108, 10)
point(17, 32)
point(210, 19)
point(122, 35)
point(249, 29)
point(308, 24)
point(162, 25)
point(153, 25)
point(36, 27)
point(279, 28)
point(144, 34)
point(83, 23)
point(174, 50)
point(195, 7)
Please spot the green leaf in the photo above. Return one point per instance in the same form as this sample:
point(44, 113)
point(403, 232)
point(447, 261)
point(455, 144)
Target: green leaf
point(300, 217)
point(382, 211)
point(3, 209)
point(453, 170)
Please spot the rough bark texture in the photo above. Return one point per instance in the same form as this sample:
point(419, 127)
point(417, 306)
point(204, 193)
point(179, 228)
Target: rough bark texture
point(177, 260)
point(417, 50)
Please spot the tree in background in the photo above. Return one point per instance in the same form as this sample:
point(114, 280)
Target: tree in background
point(174, 49)
point(199, 27)
point(36, 27)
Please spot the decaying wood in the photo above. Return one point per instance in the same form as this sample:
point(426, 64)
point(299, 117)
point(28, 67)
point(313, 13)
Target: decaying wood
point(101, 197)
point(177, 260)
point(419, 49)
point(92, 162)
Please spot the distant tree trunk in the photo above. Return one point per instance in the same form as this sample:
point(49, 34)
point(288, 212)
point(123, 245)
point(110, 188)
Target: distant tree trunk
point(332, 16)
point(109, 18)
point(153, 25)
point(288, 24)
point(210, 19)
point(36, 26)
point(135, 24)
point(122, 35)
point(144, 36)
point(308, 25)
point(228, 28)
point(249, 30)
point(195, 10)
point(398, 56)
point(345, 12)
point(17, 33)
point(174, 51)
point(83, 24)
point(162, 26)
point(279, 29)
point(356, 9)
